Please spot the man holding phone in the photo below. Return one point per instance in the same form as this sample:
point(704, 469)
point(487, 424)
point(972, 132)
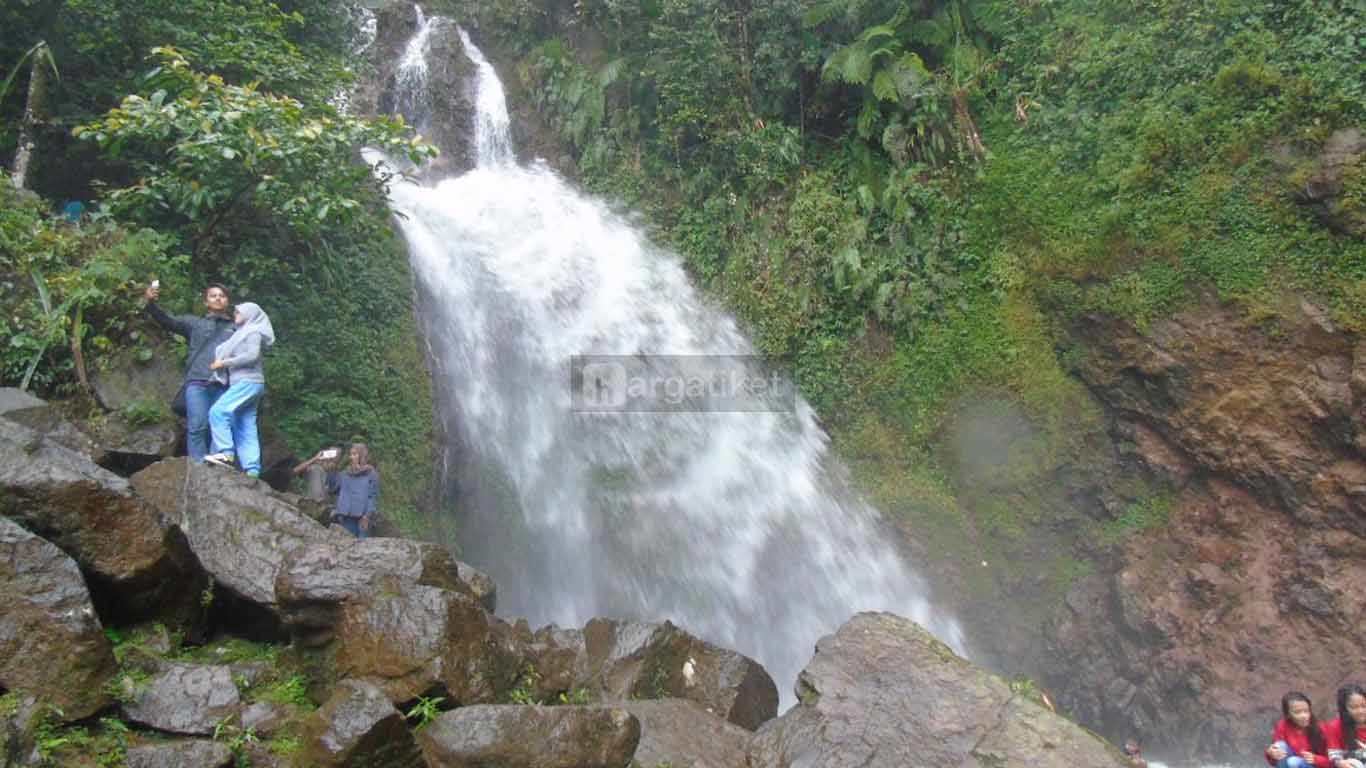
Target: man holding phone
point(203, 335)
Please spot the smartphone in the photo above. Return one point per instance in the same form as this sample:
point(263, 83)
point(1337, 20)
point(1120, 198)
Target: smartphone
point(156, 285)
point(331, 453)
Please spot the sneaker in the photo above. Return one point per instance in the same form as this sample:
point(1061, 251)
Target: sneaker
point(222, 459)
point(253, 473)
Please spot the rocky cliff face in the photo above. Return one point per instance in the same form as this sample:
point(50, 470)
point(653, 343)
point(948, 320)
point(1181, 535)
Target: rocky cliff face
point(1256, 585)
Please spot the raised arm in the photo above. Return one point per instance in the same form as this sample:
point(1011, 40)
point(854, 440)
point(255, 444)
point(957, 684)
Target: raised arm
point(177, 324)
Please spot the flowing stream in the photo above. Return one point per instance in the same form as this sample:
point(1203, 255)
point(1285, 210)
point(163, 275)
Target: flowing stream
point(735, 525)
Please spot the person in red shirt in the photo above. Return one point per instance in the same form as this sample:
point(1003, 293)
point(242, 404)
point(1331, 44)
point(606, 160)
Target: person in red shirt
point(1346, 735)
point(1297, 741)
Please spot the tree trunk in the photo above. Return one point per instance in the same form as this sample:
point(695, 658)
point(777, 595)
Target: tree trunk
point(35, 113)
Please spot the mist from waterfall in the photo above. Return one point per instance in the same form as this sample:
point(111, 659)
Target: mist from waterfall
point(738, 526)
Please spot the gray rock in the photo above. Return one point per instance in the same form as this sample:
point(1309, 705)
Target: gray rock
point(682, 734)
point(123, 380)
point(191, 699)
point(882, 691)
point(51, 642)
point(449, 84)
point(618, 661)
point(423, 638)
point(93, 515)
point(316, 579)
point(484, 588)
point(264, 718)
point(15, 400)
point(531, 737)
point(180, 754)
point(239, 529)
point(359, 727)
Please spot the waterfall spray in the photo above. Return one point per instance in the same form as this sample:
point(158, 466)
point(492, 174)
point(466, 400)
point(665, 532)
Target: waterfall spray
point(736, 525)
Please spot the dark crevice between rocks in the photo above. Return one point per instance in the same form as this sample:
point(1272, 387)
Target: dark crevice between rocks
point(227, 613)
point(127, 464)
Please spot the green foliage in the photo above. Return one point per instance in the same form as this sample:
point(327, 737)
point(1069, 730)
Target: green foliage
point(1142, 515)
point(290, 690)
point(237, 739)
point(40, 55)
point(63, 285)
point(524, 692)
point(141, 413)
point(9, 703)
point(424, 711)
point(209, 152)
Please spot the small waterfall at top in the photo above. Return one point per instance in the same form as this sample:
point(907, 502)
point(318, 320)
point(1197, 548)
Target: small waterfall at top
point(411, 87)
point(735, 525)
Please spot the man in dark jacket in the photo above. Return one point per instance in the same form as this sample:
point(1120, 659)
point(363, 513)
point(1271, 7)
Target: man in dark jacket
point(203, 334)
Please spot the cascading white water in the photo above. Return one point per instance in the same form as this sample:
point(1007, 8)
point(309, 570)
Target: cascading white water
point(736, 526)
point(493, 134)
point(412, 77)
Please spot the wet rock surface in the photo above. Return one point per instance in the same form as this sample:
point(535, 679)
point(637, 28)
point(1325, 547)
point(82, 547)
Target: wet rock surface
point(882, 691)
point(682, 734)
point(190, 699)
point(1257, 579)
point(315, 579)
point(180, 754)
point(421, 639)
point(618, 661)
point(358, 728)
point(52, 644)
point(93, 515)
point(238, 527)
point(531, 737)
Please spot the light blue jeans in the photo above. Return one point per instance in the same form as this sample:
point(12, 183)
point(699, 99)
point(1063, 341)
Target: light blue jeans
point(232, 421)
point(1291, 760)
point(199, 398)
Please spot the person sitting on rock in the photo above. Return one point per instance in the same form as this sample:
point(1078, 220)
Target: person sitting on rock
point(1346, 735)
point(356, 488)
point(1297, 741)
point(203, 334)
point(232, 419)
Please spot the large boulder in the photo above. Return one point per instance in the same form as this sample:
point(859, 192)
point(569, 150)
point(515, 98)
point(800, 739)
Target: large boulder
point(422, 639)
point(882, 691)
point(316, 579)
point(123, 381)
point(681, 734)
point(51, 642)
point(190, 699)
point(94, 516)
point(238, 528)
point(618, 661)
point(531, 737)
point(358, 728)
point(121, 442)
point(191, 753)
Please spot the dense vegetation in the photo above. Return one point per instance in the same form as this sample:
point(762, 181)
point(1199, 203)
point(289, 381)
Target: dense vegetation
point(910, 200)
point(201, 137)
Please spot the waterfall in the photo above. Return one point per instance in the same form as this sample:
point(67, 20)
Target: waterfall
point(729, 517)
point(412, 76)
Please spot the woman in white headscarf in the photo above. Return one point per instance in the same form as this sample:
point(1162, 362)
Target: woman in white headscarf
point(240, 361)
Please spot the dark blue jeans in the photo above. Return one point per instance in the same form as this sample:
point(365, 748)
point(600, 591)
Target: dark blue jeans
point(199, 398)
